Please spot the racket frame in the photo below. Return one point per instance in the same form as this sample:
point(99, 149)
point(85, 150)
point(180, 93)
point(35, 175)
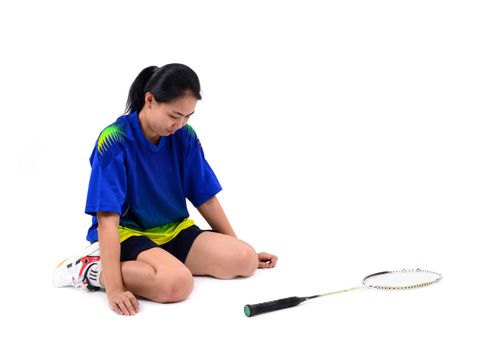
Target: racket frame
point(412, 286)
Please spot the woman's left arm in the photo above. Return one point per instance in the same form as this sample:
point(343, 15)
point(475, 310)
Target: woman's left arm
point(214, 214)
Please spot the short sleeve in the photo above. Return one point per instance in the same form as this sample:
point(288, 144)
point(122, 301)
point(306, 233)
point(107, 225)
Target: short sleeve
point(108, 181)
point(200, 182)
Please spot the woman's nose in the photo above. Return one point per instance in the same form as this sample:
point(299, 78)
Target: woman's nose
point(178, 125)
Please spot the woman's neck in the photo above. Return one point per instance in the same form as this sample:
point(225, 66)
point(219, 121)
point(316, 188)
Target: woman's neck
point(147, 131)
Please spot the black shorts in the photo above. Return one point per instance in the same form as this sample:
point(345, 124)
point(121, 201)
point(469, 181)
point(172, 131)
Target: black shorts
point(179, 246)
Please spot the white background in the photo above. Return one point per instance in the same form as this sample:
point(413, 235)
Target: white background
point(345, 136)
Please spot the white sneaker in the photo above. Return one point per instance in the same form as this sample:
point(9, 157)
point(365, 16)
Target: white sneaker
point(80, 271)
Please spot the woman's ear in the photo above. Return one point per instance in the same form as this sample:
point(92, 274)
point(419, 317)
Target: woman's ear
point(149, 99)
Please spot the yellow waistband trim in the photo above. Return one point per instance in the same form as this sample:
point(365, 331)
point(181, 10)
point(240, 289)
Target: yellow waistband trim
point(160, 234)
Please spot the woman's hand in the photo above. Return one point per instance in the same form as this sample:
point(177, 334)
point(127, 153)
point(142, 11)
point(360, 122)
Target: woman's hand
point(266, 260)
point(123, 302)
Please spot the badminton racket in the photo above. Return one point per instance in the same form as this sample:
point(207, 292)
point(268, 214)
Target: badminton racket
point(386, 280)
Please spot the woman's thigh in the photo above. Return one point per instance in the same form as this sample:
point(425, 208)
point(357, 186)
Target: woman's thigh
point(170, 281)
point(221, 256)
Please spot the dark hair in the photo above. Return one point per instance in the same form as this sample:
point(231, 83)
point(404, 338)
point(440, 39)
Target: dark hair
point(165, 83)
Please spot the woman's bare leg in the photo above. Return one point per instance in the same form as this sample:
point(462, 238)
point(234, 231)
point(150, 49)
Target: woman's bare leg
point(158, 276)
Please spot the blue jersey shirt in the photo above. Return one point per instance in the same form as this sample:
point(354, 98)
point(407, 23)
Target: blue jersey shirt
point(147, 184)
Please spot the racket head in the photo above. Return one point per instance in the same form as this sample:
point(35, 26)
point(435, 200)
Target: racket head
point(401, 279)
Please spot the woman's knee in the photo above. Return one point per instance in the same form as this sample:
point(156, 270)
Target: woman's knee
point(173, 286)
point(247, 261)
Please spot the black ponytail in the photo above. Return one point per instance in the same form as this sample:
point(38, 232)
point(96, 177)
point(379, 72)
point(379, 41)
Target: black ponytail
point(165, 83)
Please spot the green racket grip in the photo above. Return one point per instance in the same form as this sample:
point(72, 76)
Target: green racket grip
point(261, 308)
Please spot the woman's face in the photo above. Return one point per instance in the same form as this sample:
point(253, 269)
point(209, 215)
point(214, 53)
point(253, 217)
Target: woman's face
point(165, 118)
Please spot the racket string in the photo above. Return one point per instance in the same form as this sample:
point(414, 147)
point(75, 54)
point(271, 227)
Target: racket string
point(435, 277)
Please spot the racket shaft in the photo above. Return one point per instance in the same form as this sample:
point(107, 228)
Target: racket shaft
point(261, 308)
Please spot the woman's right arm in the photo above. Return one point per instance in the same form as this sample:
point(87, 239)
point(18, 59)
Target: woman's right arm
point(121, 301)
